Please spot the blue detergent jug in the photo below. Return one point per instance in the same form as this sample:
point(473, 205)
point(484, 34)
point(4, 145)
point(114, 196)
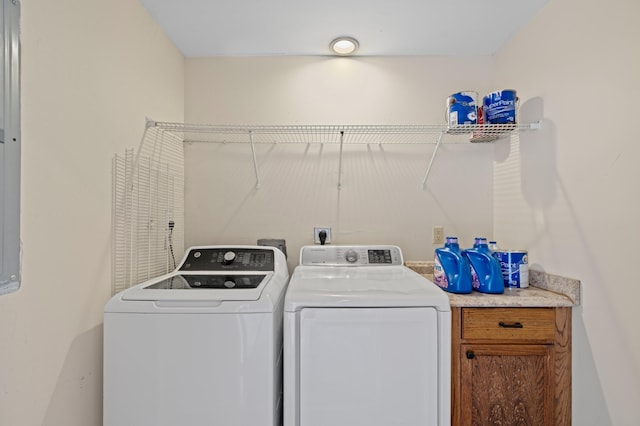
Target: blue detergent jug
point(486, 274)
point(451, 269)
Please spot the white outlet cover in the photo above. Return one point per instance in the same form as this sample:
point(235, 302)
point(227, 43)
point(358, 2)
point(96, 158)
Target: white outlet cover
point(316, 234)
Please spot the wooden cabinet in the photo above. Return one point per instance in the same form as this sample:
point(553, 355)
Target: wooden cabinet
point(511, 366)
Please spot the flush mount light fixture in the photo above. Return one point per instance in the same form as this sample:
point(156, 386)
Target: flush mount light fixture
point(344, 46)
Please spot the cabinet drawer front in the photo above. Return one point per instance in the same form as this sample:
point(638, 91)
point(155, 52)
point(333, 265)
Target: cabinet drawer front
point(509, 323)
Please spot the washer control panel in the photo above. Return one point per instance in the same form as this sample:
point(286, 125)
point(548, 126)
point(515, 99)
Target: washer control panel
point(228, 259)
point(351, 255)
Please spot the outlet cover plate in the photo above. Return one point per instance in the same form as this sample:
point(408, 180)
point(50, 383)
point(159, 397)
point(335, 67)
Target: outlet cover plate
point(316, 234)
point(438, 235)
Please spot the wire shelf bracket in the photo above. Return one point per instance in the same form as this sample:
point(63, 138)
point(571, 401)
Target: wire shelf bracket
point(433, 157)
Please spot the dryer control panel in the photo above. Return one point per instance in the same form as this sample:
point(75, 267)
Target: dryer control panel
point(351, 255)
point(228, 259)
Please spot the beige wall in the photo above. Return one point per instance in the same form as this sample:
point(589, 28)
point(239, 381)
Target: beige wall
point(381, 200)
point(571, 196)
point(91, 72)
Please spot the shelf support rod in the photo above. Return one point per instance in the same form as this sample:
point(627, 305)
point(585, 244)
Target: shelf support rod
point(340, 161)
point(255, 162)
point(433, 157)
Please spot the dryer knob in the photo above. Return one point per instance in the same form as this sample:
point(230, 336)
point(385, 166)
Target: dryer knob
point(229, 257)
point(351, 256)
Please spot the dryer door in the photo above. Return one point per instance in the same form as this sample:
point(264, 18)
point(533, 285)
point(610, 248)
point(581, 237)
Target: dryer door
point(368, 366)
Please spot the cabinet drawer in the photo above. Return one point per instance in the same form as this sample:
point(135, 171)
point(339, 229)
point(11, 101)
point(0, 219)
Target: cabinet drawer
point(509, 324)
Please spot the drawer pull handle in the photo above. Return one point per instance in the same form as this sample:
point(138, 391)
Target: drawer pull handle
point(512, 325)
point(470, 355)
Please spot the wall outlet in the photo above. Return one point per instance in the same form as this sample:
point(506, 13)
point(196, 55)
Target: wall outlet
point(438, 235)
point(316, 234)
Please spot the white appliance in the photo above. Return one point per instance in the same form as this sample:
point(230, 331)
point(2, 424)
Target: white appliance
point(367, 341)
point(201, 345)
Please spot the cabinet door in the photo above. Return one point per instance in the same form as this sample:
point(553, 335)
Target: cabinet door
point(506, 384)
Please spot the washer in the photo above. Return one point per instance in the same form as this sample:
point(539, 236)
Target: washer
point(367, 341)
point(201, 345)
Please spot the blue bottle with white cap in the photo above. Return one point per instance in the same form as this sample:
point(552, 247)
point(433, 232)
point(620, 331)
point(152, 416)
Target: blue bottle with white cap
point(486, 273)
point(451, 268)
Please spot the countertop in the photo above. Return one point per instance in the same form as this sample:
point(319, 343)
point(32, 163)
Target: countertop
point(545, 290)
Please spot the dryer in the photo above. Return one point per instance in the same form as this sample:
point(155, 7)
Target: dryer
point(367, 341)
point(201, 345)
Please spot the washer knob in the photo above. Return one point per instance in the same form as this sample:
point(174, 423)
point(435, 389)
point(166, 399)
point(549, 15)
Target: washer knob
point(229, 257)
point(351, 256)
point(229, 284)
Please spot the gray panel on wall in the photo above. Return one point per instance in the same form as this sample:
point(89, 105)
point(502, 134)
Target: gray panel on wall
point(10, 148)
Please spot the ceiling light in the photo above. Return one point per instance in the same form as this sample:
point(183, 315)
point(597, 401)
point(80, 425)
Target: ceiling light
point(344, 46)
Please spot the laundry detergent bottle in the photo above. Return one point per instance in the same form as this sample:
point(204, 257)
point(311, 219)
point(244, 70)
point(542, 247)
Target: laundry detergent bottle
point(451, 269)
point(486, 274)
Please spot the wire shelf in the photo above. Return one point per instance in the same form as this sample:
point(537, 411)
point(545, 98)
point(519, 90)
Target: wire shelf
point(147, 209)
point(335, 134)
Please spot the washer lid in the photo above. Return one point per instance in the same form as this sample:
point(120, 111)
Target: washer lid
point(201, 286)
point(364, 286)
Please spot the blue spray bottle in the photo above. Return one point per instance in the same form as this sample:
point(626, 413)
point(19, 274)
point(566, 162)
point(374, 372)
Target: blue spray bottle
point(451, 269)
point(486, 274)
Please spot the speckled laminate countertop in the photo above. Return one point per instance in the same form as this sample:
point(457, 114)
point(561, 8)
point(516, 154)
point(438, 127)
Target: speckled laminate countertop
point(545, 290)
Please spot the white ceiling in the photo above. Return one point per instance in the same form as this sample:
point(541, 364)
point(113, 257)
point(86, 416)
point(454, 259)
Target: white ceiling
point(306, 27)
